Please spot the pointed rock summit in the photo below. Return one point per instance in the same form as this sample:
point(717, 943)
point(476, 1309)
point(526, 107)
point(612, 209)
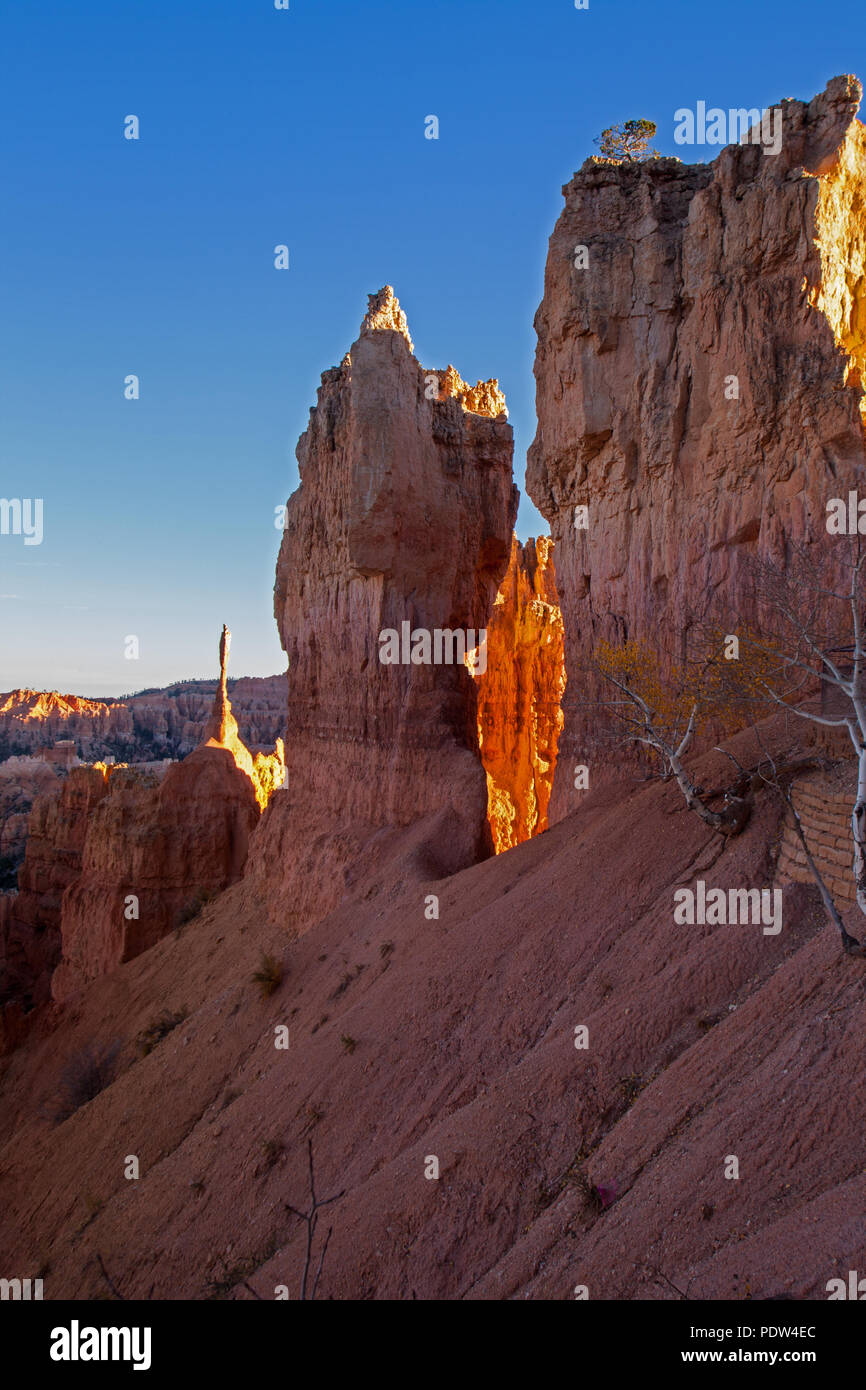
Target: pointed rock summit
point(384, 314)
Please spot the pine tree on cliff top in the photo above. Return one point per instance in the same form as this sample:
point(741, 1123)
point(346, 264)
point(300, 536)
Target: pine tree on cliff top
point(629, 141)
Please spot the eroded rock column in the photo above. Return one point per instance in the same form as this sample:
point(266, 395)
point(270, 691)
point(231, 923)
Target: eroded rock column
point(403, 516)
point(520, 695)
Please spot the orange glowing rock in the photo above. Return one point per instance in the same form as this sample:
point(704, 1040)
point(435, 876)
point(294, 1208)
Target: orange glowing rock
point(520, 695)
point(485, 398)
point(266, 771)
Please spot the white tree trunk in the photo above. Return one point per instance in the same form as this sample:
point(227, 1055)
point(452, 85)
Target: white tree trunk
point(858, 830)
point(693, 801)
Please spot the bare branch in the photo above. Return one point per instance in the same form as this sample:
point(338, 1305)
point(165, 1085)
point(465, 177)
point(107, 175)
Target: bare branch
point(108, 1279)
point(311, 1219)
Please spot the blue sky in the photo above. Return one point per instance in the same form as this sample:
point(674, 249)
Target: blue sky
point(155, 257)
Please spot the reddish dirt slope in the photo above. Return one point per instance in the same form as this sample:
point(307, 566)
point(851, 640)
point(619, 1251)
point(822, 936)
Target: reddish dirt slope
point(455, 1037)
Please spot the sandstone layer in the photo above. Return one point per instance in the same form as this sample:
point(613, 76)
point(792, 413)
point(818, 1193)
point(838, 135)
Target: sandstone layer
point(404, 514)
point(699, 384)
point(520, 695)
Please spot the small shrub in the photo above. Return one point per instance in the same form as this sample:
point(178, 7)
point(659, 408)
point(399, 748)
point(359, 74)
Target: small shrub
point(630, 1087)
point(86, 1074)
point(269, 976)
point(349, 1044)
point(592, 1198)
point(272, 1150)
point(93, 1205)
point(159, 1029)
point(192, 907)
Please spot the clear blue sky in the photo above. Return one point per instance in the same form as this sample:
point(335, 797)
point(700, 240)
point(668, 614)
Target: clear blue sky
point(155, 257)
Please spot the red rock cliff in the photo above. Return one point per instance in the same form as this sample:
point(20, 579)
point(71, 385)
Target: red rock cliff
point(21, 781)
point(700, 382)
point(520, 695)
point(404, 515)
point(30, 920)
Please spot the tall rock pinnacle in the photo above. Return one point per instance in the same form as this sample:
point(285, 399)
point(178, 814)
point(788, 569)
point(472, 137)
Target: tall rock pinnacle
point(222, 726)
point(403, 516)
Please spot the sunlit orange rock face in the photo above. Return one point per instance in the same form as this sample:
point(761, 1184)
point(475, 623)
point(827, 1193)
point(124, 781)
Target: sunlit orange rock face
point(42, 705)
point(158, 724)
point(266, 771)
point(699, 384)
point(520, 695)
point(404, 514)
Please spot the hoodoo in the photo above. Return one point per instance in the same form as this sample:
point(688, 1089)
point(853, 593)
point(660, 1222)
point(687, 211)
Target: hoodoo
point(404, 514)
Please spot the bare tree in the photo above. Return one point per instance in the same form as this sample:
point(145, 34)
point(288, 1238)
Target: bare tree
point(802, 650)
point(311, 1218)
point(662, 711)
